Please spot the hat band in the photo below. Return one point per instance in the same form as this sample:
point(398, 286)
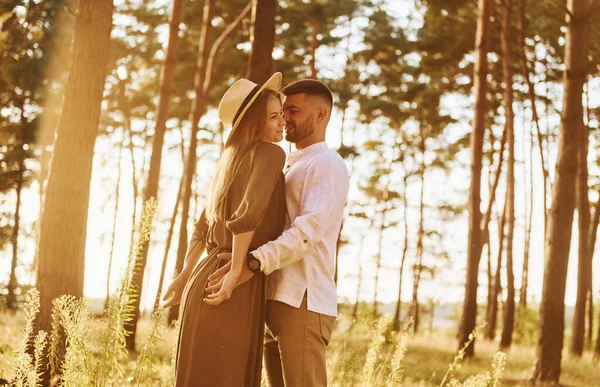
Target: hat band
point(246, 101)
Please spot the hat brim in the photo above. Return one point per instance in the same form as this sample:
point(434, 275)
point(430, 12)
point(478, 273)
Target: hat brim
point(273, 83)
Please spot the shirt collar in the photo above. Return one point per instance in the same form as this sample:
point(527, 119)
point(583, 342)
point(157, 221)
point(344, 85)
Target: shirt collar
point(309, 150)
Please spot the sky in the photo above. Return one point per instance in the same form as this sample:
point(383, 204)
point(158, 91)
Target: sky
point(446, 287)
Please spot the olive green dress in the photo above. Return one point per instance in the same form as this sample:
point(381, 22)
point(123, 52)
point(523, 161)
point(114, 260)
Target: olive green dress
point(222, 345)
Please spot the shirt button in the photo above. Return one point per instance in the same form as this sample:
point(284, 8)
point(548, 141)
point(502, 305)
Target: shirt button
point(287, 166)
point(305, 241)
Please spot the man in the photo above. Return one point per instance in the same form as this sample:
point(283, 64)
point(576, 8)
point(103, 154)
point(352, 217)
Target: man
point(301, 292)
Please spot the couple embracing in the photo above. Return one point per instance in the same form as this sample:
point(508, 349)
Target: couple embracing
point(265, 292)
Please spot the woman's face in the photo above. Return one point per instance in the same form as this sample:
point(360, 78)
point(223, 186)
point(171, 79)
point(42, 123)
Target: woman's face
point(274, 123)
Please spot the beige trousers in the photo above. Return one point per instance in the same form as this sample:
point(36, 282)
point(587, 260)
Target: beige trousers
point(295, 345)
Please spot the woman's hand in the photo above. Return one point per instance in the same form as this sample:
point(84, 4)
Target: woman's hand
point(230, 281)
point(175, 290)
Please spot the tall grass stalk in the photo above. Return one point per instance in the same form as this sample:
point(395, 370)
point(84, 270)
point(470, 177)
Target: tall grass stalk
point(76, 368)
point(144, 366)
point(395, 376)
point(24, 368)
point(374, 353)
point(113, 338)
point(460, 356)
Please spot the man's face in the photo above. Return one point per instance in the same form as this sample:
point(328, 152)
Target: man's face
point(299, 118)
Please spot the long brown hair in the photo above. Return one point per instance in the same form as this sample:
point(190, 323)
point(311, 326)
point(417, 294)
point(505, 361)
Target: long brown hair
point(240, 146)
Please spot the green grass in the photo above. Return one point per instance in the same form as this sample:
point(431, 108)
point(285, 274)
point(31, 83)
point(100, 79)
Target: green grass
point(424, 364)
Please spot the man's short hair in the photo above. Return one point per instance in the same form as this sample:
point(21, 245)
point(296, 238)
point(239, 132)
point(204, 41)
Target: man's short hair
point(310, 87)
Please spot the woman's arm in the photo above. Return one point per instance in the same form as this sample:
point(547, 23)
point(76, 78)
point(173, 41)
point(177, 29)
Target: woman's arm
point(241, 244)
point(196, 247)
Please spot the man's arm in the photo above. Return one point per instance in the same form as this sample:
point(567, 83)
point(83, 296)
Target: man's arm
point(326, 187)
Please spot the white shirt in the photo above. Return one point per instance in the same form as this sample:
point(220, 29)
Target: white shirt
point(303, 257)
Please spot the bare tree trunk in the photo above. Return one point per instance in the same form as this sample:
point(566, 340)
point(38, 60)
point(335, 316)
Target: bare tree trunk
point(560, 220)
point(418, 269)
point(597, 346)
point(65, 214)
point(163, 267)
point(590, 300)
point(529, 222)
point(492, 310)
point(151, 190)
point(397, 314)
point(360, 273)
point(509, 305)
point(378, 261)
point(469, 312)
point(584, 265)
point(262, 35)
point(12, 281)
point(525, 72)
point(198, 109)
point(114, 229)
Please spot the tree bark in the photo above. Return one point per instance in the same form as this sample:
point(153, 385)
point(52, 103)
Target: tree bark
point(262, 34)
point(469, 312)
point(560, 220)
point(584, 264)
point(64, 217)
point(509, 304)
point(151, 190)
point(198, 109)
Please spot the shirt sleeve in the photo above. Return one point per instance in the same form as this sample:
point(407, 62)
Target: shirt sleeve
point(326, 187)
point(265, 171)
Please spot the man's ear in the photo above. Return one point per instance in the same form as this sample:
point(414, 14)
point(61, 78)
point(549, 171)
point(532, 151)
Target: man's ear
point(322, 114)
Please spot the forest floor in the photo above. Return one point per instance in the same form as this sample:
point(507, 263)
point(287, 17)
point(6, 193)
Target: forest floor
point(425, 364)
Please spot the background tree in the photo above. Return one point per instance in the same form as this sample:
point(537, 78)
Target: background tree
point(558, 236)
point(469, 312)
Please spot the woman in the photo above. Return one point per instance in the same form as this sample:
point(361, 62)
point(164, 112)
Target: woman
point(222, 345)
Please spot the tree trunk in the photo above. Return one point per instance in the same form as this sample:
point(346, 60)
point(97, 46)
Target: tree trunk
point(114, 229)
point(560, 220)
point(397, 314)
point(262, 35)
point(531, 94)
point(591, 245)
point(529, 223)
point(509, 305)
point(65, 213)
point(12, 281)
point(418, 270)
point(378, 262)
point(198, 109)
point(584, 265)
point(492, 310)
point(151, 190)
point(469, 312)
point(163, 267)
point(590, 299)
point(597, 346)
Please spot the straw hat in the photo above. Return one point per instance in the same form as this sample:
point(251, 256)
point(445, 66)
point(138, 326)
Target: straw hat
point(238, 98)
